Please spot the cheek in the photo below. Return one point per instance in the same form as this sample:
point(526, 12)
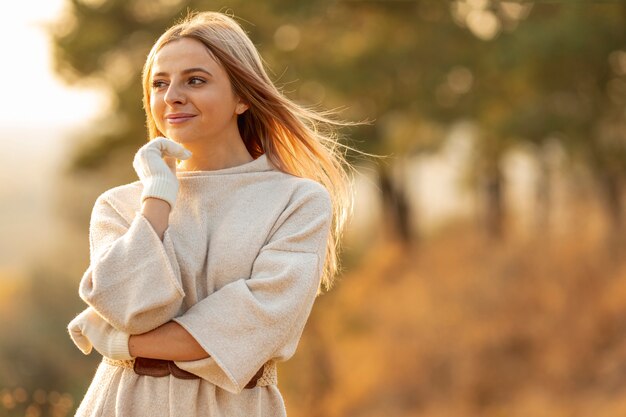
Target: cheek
point(223, 105)
point(156, 109)
point(154, 104)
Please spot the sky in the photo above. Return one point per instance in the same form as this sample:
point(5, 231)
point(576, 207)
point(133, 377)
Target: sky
point(32, 93)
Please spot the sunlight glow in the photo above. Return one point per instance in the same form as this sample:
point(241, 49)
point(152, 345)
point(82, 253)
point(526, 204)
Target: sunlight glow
point(33, 93)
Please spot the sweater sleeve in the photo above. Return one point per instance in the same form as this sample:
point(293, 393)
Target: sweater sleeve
point(133, 279)
point(259, 318)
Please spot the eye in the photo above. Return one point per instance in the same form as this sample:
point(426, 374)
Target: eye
point(196, 81)
point(156, 84)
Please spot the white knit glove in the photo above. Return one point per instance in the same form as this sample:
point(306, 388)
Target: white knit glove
point(158, 176)
point(91, 329)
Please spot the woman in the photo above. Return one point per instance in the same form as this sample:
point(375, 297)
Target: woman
point(203, 273)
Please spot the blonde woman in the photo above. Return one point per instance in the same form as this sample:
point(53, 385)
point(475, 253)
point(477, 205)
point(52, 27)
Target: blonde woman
point(203, 273)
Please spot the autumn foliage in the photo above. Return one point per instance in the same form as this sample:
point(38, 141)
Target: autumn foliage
point(460, 326)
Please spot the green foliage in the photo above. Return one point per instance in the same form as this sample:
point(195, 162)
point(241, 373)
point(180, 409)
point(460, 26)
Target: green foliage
point(412, 59)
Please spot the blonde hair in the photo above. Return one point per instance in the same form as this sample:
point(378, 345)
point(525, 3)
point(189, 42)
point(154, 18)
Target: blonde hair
point(297, 140)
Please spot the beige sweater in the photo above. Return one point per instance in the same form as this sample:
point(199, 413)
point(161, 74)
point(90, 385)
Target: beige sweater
point(239, 267)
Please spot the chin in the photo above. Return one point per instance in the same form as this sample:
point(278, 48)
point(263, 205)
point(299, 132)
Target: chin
point(184, 137)
point(176, 137)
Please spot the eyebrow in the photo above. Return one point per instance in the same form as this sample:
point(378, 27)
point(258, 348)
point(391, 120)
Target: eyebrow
point(185, 71)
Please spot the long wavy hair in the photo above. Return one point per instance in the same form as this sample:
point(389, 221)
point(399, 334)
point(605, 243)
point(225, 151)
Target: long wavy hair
point(296, 139)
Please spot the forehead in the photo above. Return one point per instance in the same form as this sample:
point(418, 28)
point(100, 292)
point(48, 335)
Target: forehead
point(181, 54)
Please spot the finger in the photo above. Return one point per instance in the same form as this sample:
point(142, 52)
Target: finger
point(170, 148)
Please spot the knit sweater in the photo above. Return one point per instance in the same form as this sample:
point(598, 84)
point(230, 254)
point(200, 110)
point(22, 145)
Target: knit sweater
point(239, 267)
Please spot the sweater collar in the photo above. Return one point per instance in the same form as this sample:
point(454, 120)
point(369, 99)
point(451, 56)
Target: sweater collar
point(260, 164)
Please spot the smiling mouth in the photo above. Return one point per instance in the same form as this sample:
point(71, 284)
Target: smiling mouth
point(179, 118)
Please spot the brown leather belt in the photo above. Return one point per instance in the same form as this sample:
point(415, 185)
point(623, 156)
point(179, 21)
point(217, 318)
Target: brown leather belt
point(160, 368)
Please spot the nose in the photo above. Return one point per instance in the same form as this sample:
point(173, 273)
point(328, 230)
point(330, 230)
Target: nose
point(174, 95)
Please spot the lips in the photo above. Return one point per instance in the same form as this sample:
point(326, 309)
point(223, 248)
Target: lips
point(177, 118)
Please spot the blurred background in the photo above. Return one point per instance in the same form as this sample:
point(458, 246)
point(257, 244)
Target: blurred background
point(484, 270)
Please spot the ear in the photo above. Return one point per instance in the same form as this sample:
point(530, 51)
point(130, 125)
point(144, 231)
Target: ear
point(241, 106)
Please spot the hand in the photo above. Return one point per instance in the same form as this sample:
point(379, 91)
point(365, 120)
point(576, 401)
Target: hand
point(158, 175)
point(89, 329)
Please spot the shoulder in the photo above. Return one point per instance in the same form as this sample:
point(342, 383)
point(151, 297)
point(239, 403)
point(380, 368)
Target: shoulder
point(305, 217)
point(307, 191)
point(304, 200)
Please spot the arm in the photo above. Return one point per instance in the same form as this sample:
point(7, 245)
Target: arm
point(157, 212)
point(169, 341)
point(133, 280)
point(120, 250)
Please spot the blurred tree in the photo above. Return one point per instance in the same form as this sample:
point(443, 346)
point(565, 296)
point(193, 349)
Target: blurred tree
point(572, 62)
point(412, 67)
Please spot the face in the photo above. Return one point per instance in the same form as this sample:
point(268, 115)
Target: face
point(191, 96)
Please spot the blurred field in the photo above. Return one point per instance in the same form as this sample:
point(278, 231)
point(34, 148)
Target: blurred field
point(462, 327)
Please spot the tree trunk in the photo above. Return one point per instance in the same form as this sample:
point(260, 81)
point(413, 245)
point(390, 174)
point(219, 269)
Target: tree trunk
point(543, 196)
point(611, 189)
point(493, 193)
point(396, 207)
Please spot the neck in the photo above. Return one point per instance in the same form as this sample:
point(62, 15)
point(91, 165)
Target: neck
point(209, 155)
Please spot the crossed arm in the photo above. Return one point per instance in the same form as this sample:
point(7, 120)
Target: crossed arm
point(169, 341)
